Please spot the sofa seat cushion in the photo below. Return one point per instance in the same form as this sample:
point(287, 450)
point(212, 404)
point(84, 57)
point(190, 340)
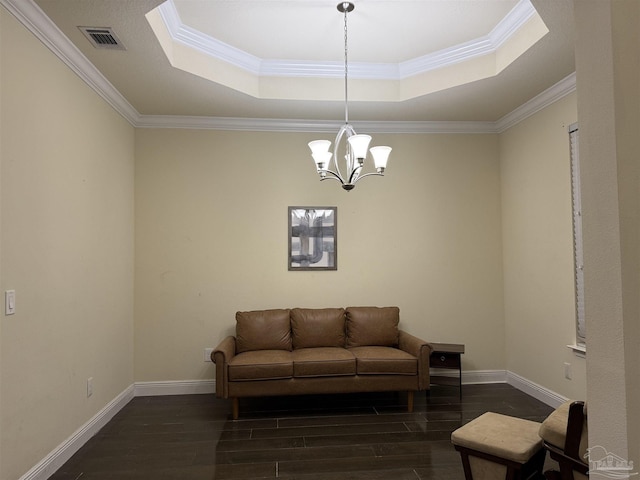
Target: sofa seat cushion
point(261, 365)
point(323, 362)
point(383, 361)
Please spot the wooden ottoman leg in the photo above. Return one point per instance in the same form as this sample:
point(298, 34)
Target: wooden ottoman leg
point(487, 466)
point(465, 465)
point(536, 464)
point(235, 408)
point(410, 401)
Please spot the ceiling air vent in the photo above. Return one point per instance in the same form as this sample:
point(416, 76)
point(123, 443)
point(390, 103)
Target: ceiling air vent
point(102, 37)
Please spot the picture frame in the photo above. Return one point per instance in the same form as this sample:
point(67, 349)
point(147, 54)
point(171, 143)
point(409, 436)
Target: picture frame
point(313, 240)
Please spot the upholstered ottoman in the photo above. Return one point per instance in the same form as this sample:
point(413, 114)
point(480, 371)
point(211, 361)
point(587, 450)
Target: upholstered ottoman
point(496, 447)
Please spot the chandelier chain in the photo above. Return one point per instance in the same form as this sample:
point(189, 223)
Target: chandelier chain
point(346, 69)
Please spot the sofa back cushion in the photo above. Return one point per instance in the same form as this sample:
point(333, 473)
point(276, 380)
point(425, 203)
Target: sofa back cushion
point(369, 326)
point(263, 330)
point(317, 327)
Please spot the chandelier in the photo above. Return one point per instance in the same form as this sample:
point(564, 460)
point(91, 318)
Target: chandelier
point(354, 145)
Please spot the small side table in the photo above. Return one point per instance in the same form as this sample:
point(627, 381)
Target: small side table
point(447, 356)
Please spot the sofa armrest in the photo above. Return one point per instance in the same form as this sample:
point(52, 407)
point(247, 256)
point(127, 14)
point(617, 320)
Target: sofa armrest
point(221, 356)
point(420, 349)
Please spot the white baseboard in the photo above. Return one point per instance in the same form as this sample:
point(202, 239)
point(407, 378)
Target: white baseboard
point(174, 387)
point(538, 392)
point(52, 462)
point(63, 452)
point(483, 376)
point(546, 396)
point(469, 377)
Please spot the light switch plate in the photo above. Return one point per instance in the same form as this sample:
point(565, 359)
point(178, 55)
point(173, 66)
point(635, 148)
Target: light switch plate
point(9, 302)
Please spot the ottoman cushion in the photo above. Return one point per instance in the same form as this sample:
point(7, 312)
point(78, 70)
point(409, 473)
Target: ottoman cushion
point(500, 435)
point(554, 430)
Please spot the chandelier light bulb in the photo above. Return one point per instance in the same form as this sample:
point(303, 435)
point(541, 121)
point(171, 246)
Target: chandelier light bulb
point(380, 156)
point(359, 145)
point(322, 160)
point(319, 146)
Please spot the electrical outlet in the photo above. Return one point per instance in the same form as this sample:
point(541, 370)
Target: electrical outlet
point(567, 370)
point(89, 386)
point(207, 354)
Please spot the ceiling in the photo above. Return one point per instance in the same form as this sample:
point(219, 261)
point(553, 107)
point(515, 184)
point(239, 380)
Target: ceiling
point(409, 60)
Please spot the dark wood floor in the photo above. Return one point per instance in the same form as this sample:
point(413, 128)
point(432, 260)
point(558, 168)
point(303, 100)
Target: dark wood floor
point(337, 437)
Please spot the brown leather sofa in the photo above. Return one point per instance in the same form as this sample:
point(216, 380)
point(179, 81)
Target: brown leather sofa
point(313, 351)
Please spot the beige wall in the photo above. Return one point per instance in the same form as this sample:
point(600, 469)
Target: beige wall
point(2, 44)
point(607, 38)
point(66, 248)
point(538, 250)
point(211, 239)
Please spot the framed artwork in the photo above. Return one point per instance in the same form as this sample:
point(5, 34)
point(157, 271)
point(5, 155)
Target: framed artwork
point(313, 238)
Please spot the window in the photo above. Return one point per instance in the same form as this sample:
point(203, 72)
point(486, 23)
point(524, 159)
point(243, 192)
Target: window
point(581, 331)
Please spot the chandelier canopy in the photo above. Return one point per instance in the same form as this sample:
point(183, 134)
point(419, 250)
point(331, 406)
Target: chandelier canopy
point(354, 145)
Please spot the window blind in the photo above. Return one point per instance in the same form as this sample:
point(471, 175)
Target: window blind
point(581, 330)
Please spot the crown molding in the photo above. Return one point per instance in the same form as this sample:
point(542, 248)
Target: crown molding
point(551, 95)
point(204, 43)
point(34, 19)
point(509, 25)
point(302, 126)
point(213, 47)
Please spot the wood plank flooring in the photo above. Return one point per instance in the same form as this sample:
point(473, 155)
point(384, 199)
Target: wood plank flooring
point(337, 437)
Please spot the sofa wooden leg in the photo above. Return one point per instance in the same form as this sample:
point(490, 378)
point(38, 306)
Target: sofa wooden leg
point(235, 408)
point(410, 401)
